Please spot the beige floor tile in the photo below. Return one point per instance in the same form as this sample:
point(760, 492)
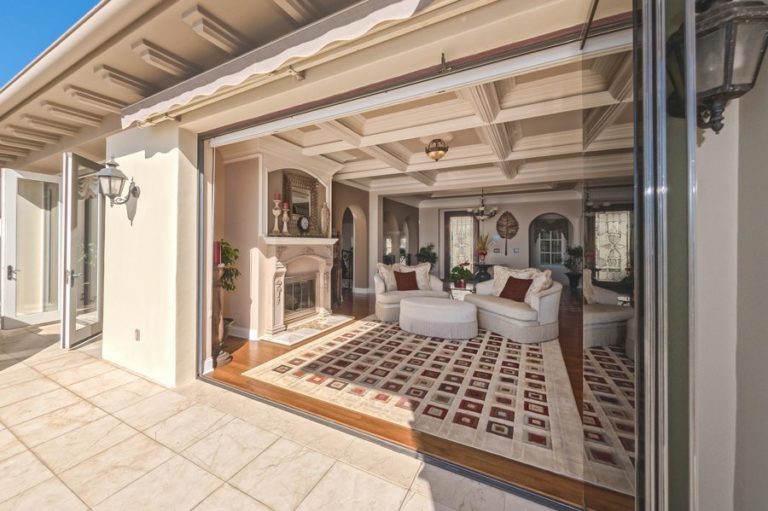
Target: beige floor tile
point(105, 474)
point(177, 484)
point(393, 466)
point(19, 473)
point(230, 499)
point(21, 391)
point(283, 475)
point(188, 426)
point(321, 438)
point(9, 445)
point(63, 360)
point(37, 406)
point(455, 491)
point(126, 395)
point(68, 450)
point(228, 449)
point(57, 423)
point(103, 382)
point(202, 392)
point(346, 488)
point(50, 494)
point(417, 502)
point(82, 372)
point(17, 373)
point(154, 409)
point(29, 346)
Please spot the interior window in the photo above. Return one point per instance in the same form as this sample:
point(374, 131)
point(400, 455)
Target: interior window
point(612, 246)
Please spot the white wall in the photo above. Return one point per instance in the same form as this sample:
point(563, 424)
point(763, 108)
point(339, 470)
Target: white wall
point(150, 264)
point(714, 359)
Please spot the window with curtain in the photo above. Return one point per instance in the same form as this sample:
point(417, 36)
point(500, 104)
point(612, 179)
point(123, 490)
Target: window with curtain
point(551, 247)
point(613, 231)
point(460, 240)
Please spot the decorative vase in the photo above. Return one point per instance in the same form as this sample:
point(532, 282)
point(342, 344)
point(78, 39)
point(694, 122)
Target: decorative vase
point(481, 254)
point(461, 284)
point(286, 219)
point(276, 213)
point(573, 279)
point(325, 217)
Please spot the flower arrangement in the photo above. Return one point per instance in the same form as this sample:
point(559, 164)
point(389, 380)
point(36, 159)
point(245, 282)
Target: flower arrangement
point(482, 247)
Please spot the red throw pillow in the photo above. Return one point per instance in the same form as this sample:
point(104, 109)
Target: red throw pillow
point(515, 289)
point(406, 280)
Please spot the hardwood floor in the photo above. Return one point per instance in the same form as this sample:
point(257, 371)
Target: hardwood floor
point(564, 489)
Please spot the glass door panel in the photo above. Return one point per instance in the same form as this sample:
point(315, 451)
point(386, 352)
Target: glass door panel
point(460, 235)
point(30, 248)
point(83, 254)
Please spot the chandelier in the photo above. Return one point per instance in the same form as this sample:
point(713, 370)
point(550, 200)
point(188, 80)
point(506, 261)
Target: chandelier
point(482, 213)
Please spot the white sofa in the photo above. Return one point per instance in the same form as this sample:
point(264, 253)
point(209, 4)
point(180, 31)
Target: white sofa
point(605, 321)
point(388, 302)
point(518, 321)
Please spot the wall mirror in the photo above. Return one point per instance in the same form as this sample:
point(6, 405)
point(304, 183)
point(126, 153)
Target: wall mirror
point(302, 193)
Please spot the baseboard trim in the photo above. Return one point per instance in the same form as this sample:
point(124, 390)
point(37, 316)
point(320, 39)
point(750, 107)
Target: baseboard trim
point(244, 333)
point(362, 291)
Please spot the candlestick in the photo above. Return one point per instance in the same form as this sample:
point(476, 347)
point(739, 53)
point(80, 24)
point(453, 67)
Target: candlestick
point(277, 197)
point(276, 214)
point(286, 218)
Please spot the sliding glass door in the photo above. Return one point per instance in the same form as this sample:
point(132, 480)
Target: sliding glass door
point(460, 235)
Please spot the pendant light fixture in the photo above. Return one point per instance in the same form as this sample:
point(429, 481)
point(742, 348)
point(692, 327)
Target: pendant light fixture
point(436, 149)
point(482, 213)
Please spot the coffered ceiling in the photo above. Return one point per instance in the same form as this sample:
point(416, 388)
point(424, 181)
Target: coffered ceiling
point(563, 124)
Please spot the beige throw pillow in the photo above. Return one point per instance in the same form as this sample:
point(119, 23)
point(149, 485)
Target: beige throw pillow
point(422, 273)
point(541, 280)
point(387, 274)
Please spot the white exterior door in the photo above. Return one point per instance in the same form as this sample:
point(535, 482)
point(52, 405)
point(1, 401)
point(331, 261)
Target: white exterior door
point(83, 247)
point(31, 248)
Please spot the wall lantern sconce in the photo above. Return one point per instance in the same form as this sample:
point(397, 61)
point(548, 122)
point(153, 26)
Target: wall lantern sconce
point(436, 149)
point(731, 38)
point(112, 181)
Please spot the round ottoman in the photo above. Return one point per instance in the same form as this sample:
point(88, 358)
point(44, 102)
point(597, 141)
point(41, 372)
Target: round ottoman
point(438, 317)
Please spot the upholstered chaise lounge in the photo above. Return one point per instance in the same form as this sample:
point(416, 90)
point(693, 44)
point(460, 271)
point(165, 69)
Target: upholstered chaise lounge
point(519, 321)
point(388, 300)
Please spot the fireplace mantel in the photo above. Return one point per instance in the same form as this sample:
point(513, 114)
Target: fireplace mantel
point(298, 241)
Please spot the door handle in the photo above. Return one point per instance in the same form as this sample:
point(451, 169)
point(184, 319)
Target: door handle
point(71, 276)
point(11, 273)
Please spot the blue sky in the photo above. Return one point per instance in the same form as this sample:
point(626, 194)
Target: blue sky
point(30, 26)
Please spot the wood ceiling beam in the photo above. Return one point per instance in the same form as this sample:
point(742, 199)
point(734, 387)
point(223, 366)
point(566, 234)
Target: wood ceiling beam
point(124, 80)
point(300, 11)
point(13, 152)
point(48, 125)
point(215, 31)
point(34, 135)
point(484, 101)
point(20, 143)
point(162, 59)
point(510, 168)
point(95, 99)
point(72, 114)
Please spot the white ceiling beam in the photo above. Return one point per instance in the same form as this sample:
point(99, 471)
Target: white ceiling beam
point(510, 168)
point(48, 125)
point(34, 135)
point(95, 99)
point(124, 80)
point(601, 118)
point(20, 143)
point(484, 101)
point(71, 114)
point(162, 59)
point(215, 31)
point(13, 151)
point(300, 11)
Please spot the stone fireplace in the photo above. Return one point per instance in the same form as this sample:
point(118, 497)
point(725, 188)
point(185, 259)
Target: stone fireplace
point(299, 273)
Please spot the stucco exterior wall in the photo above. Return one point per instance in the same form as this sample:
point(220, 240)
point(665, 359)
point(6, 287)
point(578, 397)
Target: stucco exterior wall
point(150, 262)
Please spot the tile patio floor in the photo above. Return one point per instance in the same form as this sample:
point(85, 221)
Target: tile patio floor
point(79, 433)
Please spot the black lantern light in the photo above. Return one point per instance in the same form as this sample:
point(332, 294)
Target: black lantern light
point(111, 183)
point(730, 44)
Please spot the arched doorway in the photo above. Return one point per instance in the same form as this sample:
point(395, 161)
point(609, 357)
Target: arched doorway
point(347, 242)
point(548, 236)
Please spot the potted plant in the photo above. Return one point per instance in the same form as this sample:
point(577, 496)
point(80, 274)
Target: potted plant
point(482, 247)
point(574, 262)
point(229, 273)
point(427, 254)
point(460, 275)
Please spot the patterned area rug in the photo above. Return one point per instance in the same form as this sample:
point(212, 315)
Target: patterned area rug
point(488, 392)
point(609, 418)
